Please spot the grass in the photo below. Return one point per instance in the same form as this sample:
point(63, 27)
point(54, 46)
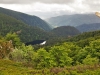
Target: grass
point(8, 67)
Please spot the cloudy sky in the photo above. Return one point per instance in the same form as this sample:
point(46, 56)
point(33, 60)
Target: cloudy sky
point(50, 8)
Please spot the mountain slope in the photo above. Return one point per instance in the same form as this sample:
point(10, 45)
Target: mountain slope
point(86, 35)
point(26, 32)
point(73, 20)
point(65, 31)
point(28, 19)
point(89, 27)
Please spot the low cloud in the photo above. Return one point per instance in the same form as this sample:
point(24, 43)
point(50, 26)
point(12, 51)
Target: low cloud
point(47, 8)
point(34, 1)
point(93, 5)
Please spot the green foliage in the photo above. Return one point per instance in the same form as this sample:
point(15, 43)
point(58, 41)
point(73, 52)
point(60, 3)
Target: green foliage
point(63, 58)
point(42, 59)
point(90, 60)
point(60, 56)
point(22, 54)
point(14, 38)
point(16, 55)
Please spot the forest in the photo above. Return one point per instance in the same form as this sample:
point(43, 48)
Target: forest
point(70, 57)
point(68, 54)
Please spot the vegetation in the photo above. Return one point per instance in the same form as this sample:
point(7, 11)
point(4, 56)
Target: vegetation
point(86, 35)
point(28, 19)
point(89, 27)
point(73, 20)
point(79, 55)
point(67, 58)
point(29, 33)
point(65, 31)
point(25, 32)
point(8, 67)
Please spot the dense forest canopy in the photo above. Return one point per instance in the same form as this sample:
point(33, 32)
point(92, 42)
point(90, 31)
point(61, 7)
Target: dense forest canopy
point(26, 32)
point(70, 53)
point(28, 19)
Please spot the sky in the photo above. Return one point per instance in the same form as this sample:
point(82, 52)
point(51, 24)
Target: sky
point(51, 8)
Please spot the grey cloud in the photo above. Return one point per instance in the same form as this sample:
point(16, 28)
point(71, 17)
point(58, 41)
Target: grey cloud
point(93, 4)
point(33, 1)
point(13, 1)
point(91, 1)
point(87, 6)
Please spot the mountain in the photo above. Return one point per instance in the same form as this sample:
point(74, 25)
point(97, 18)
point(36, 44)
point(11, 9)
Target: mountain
point(85, 36)
point(65, 31)
point(73, 20)
point(89, 27)
point(28, 19)
point(26, 32)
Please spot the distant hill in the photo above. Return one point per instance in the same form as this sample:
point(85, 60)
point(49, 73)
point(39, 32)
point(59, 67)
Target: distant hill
point(85, 36)
point(28, 19)
point(65, 31)
point(73, 20)
point(89, 27)
point(26, 32)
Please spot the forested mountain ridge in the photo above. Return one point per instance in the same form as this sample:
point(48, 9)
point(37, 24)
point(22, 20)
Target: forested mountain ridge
point(73, 20)
point(88, 27)
point(65, 31)
point(85, 35)
point(28, 19)
point(26, 32)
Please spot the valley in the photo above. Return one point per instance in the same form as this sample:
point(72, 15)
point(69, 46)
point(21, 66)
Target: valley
point(72, 46)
